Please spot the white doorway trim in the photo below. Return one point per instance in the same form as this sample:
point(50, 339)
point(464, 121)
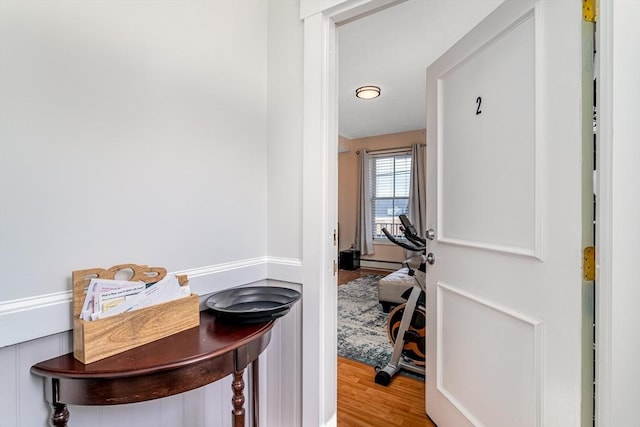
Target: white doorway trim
point(319, 204)
point(617, 293)
point(604, 217)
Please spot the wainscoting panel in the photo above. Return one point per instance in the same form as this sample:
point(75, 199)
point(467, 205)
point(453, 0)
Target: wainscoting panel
point(281, 380)
point(492, 345)
point(22, 401)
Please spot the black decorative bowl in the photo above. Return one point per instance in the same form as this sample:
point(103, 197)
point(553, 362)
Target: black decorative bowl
point(252, 304)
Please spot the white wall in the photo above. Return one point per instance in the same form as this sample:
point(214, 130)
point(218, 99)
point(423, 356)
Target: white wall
point(283, 395)
point(138, 132)
point(131, 132)
point(284, 130)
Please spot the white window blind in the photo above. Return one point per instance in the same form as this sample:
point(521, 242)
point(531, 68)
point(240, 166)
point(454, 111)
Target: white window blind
point(389, 183)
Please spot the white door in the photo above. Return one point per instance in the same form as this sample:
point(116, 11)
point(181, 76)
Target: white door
point(504, 295)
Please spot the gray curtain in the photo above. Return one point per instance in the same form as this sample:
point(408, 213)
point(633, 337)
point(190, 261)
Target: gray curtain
point(418, 189)
point(364, 227)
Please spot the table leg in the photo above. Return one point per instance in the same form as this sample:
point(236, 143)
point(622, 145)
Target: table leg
point(255, 387)
point(238, 399)
point(60, 415)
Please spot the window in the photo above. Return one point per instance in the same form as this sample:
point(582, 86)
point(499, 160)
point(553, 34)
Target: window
point(390, 178)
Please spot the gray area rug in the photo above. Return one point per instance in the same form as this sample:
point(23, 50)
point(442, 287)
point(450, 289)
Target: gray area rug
point(362, 325)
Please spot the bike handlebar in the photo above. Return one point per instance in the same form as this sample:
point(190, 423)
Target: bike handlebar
point(415, 247)
point(410, 231)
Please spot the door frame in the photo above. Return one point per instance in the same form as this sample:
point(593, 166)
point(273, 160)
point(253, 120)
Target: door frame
point(618, 208)
point(319, 203)
point(319, 348)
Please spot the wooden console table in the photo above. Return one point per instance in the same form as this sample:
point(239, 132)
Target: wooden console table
point(172, 365)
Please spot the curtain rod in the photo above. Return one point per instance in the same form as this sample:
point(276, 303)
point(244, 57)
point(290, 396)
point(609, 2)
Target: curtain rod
point(390, 150)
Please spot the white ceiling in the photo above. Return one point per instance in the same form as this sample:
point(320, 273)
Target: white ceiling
point(392, 49)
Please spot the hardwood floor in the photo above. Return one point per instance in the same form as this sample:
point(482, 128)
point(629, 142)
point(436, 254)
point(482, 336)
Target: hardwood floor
point(363, 403)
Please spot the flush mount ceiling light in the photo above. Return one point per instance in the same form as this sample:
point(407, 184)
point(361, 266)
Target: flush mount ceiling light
point(368, 92)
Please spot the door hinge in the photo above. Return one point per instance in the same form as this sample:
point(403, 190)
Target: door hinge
point(335, 267)
point(589, 10)
point(589, 263)
point(335, 237)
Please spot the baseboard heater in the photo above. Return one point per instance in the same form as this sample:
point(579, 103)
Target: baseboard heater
point(380, 264)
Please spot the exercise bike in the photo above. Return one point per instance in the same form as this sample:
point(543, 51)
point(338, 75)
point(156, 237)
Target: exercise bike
point(406, 324)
